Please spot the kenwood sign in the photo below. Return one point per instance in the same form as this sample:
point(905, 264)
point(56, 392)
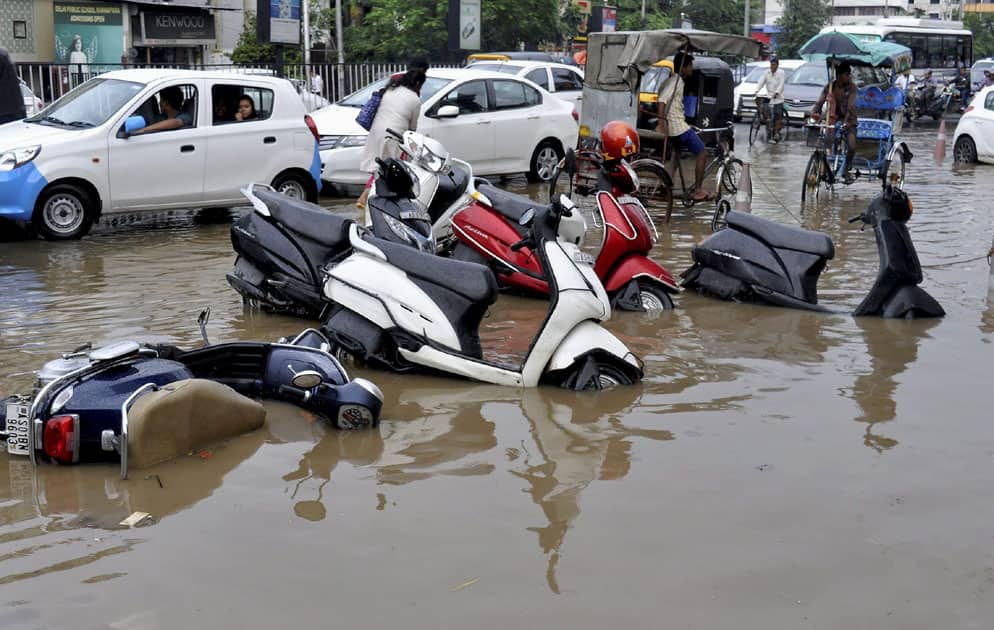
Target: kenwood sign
point(188, 27)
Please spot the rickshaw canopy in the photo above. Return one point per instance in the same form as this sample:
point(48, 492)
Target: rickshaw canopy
point(616, 61)
point(839, 46)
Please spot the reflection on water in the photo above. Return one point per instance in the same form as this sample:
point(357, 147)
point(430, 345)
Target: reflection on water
point(717, 374)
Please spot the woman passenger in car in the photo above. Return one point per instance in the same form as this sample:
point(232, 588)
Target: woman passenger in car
point(246, 109)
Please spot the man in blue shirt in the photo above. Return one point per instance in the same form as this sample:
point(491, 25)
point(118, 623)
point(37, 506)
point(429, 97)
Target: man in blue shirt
point(170, 103)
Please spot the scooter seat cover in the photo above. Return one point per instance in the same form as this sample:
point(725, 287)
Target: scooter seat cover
point(506, 203)
point(473, 281)
point(308, 219)
point(783, 236)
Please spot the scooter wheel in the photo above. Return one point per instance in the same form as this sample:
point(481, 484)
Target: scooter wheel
point(581, 377)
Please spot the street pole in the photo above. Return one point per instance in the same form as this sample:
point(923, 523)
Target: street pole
point(745, 20)
point(643, 14)
point(338, 31)
point(307, 35)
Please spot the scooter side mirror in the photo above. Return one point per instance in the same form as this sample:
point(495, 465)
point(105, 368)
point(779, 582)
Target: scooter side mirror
point(307, 379)
point(527, 217)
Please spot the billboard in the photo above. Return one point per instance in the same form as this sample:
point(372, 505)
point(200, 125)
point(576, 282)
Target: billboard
point(87, 34)
point(284, 21)
point(464, 24)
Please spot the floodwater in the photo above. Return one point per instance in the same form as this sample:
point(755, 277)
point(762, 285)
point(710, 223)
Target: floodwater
point(776, 469)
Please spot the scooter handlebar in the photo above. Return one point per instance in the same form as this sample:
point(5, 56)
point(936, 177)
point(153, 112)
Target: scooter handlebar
point(395, 134)
point(523, 242)
point(858, 217)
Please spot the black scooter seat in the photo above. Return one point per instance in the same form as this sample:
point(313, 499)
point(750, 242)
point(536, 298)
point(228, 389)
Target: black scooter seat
point(783, 236)
point(506, 203)
point(307, 219)
point(473, 281)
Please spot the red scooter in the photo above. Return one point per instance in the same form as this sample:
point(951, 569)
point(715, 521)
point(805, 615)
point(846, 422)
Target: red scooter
point(489, 233)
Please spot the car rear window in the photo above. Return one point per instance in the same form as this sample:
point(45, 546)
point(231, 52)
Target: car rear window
point(226, 98)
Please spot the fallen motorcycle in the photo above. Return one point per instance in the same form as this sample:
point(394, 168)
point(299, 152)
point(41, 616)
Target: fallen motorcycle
point(83, 404)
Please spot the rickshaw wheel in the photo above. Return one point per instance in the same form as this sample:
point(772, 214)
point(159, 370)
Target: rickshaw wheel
point(655, 186)
point(812, 178)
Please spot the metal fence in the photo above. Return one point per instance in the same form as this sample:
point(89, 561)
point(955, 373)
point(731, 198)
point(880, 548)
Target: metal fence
point(331, 81)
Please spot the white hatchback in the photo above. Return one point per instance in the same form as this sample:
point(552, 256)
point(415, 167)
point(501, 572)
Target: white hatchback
point(973, 140)
point(744, 95)
point(78, 160)
point(499, 123)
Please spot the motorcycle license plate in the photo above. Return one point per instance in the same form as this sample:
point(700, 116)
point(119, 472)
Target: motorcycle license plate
point(17, 428)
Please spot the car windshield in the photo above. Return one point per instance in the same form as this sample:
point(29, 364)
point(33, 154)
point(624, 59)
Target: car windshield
point(810, 74)
point(653, 78)
point(755, 75)
point(89, 105)
point(358, 98)
point(496, 67)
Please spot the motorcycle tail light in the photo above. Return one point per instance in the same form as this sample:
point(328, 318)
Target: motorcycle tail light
point(61, 438)
point(313, 127)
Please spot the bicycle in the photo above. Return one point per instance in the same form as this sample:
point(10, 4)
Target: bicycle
point(651, 170)
point(764, 120)
point(825, 160)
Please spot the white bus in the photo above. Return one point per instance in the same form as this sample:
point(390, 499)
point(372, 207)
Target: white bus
point(937, 45)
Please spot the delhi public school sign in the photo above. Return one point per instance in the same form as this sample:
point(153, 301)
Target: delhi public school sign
point(464, 24)
point(278, 22)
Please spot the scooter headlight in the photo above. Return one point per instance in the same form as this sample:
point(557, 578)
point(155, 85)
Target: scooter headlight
point(431, 160)
point(411, 236)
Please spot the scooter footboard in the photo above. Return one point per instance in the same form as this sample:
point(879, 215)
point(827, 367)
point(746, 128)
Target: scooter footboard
point(588, 338)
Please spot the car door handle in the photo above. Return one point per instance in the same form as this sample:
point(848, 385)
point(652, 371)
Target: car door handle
point(186, 148)
point(269, 140)
point(484, 122)
point(535, 117)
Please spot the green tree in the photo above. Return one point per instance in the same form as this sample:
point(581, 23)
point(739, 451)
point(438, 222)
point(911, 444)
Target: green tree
point(248, 50)
point(801, 20)
point(982, 25)
point(396, 30)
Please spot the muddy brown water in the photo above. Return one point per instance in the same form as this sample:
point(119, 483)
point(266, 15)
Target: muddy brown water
point(776, 469)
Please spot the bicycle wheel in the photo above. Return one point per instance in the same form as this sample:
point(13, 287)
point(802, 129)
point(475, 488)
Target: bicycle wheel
point(655, 186)
point(813, 176)
point(754, 129)
point(726, 180)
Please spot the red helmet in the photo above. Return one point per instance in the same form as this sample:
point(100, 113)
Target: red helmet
point(619, 140)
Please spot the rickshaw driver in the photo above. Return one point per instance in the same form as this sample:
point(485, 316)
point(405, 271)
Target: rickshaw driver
point(671, 121)
point(841, 96)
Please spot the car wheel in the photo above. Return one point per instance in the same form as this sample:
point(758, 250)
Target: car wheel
point(291, 185)
point(965, 151)
point(544, 161)
point(64, 212)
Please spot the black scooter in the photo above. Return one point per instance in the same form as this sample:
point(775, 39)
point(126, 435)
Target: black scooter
point(285, 244)
point(756, 260)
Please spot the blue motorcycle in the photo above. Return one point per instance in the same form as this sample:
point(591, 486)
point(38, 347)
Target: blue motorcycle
point(79, 408)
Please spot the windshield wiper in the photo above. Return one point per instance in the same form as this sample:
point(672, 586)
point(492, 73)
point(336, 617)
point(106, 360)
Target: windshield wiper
point(52, 119)
point(81, 123)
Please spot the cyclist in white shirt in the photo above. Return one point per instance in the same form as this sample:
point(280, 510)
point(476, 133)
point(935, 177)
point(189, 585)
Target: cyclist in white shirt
point(774, 79)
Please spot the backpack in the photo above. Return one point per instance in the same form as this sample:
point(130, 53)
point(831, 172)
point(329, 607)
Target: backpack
point(368, 111)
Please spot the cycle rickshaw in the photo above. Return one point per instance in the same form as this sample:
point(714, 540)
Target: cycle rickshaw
point(615, 65)
point(878, 155)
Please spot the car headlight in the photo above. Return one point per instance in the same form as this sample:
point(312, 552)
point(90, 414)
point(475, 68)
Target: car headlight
point(9, 160)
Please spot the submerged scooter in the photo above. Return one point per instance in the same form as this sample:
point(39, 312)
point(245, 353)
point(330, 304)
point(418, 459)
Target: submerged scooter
point(285, 244)
point(404, 310)
point(78, 410)
point(756, 260)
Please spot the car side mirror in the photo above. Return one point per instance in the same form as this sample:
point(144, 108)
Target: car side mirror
point(133, 124)
point(447, 111)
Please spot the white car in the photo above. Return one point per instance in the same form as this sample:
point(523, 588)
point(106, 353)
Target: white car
point(501, 124)
point(32, 104)
point(80, 159)
point(560, 79)
point(973, 140)
point(744, 95)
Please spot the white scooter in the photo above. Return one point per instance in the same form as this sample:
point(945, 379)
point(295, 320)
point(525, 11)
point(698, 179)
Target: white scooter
point(445, 184)
point(405, 310)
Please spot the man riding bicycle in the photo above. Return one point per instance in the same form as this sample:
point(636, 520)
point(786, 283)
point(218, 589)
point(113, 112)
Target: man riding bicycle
point(774, 79)
point(671, 120)
point(841, 97)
